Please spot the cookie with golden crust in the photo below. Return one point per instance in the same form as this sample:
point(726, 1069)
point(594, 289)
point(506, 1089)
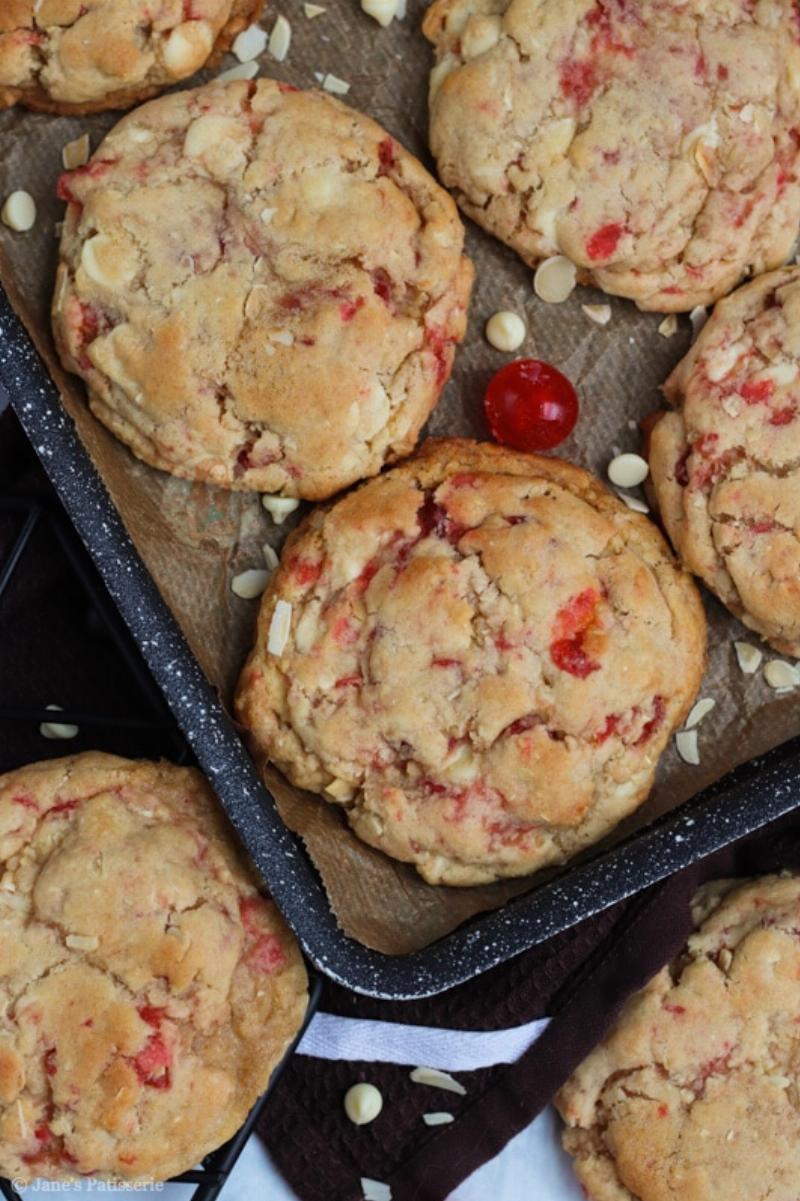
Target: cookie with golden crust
point(147, 987)
point(725, 463)
point(260, 287)
point(80, 56)
point(479, 655)
point(693, 1095)
point(655, 145)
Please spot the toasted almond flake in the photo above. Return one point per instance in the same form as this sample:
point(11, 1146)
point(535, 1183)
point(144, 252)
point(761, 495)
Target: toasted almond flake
point(600, 314)
point(686, 745)
point(57, 729)
point(279, 628)
point(240, 71)
point(341, 790)
point(440, 1118)
point(313, 10)
point(749, 657)
point(382, 11)
point(250, 584)
point(76, 153)
point(375, 1190)
point(280, 39)
point(437, 1079)
point(780, 675)
point(461, 765)
point(335, 85)
point(362, 1103)
point(279, 507)
point(270, 556)
point(633, 502)
point(628, 470)
point(505, 330)
point(698, 318)
point(669, 325)
point(698, 711)
point(725, 958)
point(19, 212)
point(24, 1129)
point(732, 406)
point(554, 279)
point(250, 43)
point(82, 942)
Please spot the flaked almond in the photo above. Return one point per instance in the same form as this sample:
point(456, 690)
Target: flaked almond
point(58, 729)
point(313, 10)
point(240, 71)
point(698, 711)
point(725, 959)
point(669, 325)
point(375, 1190)
point(600, 314)
point(76, 153)
point(250, 43)
point(382, 11)
point(441, 1118)
point(250, 584)
point(341, 790)
point(436, 1079)
point(280, 39)
point(188, 47)
point(279, 507)
point(686, 745)
point(554, 279)
point(335, 85)
point(279, 628)
point(82, 942)
point(748, 656)
point(781, 676)
point(270, 556)
point(633, 502)
point(698, 318)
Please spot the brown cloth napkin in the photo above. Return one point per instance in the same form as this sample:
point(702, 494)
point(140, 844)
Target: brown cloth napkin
point(579, 978)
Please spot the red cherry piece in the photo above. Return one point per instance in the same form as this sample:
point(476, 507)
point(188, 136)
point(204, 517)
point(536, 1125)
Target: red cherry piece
point(530, 406)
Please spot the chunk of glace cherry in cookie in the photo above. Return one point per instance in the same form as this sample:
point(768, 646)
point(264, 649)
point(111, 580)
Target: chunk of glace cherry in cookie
point(264, 953)
point(575, 644)
point(530, 406)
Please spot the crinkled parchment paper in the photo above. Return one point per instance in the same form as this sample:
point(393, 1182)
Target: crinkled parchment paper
point(194, 538)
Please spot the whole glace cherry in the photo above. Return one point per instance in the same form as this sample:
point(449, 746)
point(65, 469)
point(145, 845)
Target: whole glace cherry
point(530, 406)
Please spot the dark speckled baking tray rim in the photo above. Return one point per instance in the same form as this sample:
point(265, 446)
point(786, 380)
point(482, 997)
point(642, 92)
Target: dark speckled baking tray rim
point(742, 802)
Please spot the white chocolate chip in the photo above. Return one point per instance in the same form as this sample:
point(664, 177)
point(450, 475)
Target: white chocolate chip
point(140, 134)
point(19, 212)
point(279, 507)
point(209, 132)
point(250, 584)
point(437, 1119)
point(698, 711)
point(437, 1079)
point(628, 470)
point(188, 47)
point(375, 1190)
point(781, 676)
point(284, 337)
point(341, 790)
point(698, 318)
point(686, 745)
point(270, 556)
point(107, 262)
point(554, 279)
point(462, 765)
point(280, 39)
point(279, 628)
point(56, 729)
point(633, 502)
point(82, 942)
point(240, 71)
point(76, 153)
point(480, 34)
point(250, 43)
point(335, 85)
point(267, 214)
point(382, 11)
point(747, 113)
point(313, 10)
point(363, 1103)
point(732, 406)
point(749, 657)
point(600, 314)
point(505, 330)
point(669, 325)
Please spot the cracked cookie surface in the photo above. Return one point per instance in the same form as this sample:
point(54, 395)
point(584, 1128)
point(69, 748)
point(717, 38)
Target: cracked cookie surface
point(73, 56)
point(260, 287)
point(655, 145)
point(147, 986)
point(487, 654)
point(693, 1096)
point(726, 463)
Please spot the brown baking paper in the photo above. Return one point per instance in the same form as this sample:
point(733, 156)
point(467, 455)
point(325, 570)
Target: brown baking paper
point(194, 538)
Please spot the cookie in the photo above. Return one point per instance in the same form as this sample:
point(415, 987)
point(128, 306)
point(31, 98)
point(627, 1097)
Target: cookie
point(655, 145)
point(81, 56)
point(693, 1096)
point(724, 463)
point(480, 656)
point(260, 287)
point(148, 990)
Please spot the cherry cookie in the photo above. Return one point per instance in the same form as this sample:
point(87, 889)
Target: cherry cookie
point(692, 1097)
point(479, 655)
point(261, 288)
point(148, 989)
point(79, 56)
point(725, 463)
point(655, 145)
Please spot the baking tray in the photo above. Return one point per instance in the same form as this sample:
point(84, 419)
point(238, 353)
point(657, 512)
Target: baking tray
point(146, 728)
point(740, 803)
